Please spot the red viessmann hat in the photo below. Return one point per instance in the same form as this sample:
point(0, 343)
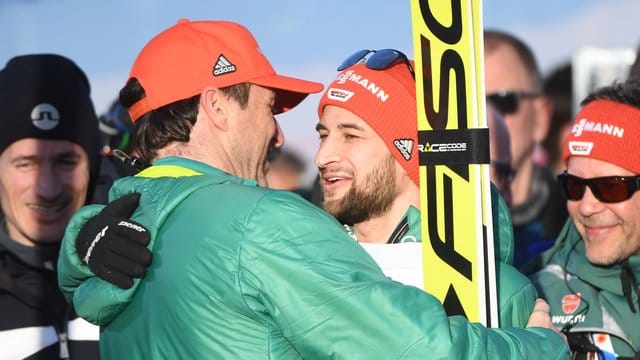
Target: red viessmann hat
point(181, 61)
point(386, 100)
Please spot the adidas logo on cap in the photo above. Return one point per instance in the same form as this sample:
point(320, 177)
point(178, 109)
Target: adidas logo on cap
point(223, 66)
point(404, 146)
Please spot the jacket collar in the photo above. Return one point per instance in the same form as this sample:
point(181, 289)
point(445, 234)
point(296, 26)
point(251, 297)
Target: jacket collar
point(173, 166)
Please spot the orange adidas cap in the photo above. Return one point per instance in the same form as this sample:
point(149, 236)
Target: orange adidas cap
point(181, 61)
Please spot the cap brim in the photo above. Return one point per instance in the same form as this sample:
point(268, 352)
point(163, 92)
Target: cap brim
point(290, 91)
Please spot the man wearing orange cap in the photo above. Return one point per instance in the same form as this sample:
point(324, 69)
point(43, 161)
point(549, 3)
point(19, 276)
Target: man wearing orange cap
point(241, 271)
point(590, 275)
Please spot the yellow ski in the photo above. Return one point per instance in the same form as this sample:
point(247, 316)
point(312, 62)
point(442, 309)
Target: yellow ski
point(453, 144)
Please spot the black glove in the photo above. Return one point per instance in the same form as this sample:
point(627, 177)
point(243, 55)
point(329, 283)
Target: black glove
point(114, 247)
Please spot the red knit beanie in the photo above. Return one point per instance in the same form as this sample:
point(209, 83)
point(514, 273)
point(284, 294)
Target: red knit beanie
point(606, 130)
point(386, 100)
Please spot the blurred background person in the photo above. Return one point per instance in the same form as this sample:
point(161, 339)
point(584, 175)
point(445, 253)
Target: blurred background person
point(501, 172)
point(286, 170)
point(513, 85)
point(634, 70)
point(115, 135)
point(558, 85)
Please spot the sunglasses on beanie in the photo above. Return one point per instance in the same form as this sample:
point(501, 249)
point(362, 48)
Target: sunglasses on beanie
point(607, 189)
point(508, 102)
point(377, 59)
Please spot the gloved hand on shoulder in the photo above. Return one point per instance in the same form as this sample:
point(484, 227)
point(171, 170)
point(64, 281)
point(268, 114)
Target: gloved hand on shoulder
point(113, 246)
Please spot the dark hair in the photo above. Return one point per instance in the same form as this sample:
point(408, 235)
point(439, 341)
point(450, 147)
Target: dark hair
point(627, 92)
point(559, 87)
point(634, 70)
point(287, 158)
point(170, 123)
point(493, 39)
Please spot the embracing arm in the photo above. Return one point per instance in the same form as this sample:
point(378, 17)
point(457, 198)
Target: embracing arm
point(330, 299)
point(102, 248)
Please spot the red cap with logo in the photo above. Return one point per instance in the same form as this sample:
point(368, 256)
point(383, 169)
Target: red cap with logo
point(386, 100)
point(181, 61)
point(608, 131)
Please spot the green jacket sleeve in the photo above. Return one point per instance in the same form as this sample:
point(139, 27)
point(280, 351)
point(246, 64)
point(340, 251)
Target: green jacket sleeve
point(94, 299)
point(330, 299)
point(516, 305)
point(72, 272)
point(516, 293)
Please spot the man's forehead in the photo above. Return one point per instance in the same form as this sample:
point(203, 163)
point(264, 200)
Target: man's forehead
point(504, 70)
point(584, 166)
point(41, 147)
point(337, 117)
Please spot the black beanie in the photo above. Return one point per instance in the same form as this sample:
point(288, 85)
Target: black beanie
point(47, 96)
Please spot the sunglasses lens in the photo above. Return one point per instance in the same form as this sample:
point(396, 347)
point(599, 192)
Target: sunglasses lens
point(505, 103)
point(503, 170)
point(573, 186)
point(612, 189)
point(381, 59)
point(353, 59)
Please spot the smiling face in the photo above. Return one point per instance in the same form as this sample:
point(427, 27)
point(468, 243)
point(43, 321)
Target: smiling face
point(42, 183)
point(357, 172)
point(610, 231)
point(256, 133)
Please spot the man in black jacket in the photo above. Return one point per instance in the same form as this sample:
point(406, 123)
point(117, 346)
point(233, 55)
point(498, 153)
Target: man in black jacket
point(48, 158)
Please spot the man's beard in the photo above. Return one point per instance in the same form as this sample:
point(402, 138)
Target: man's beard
point(368, 200)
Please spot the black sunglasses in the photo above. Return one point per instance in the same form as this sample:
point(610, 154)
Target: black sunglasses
point(503, 170)
point(377, 59)
point(608, 189)
point(508, 102)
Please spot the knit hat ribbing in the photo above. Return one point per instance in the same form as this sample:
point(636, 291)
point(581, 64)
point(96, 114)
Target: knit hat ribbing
point(606, 130)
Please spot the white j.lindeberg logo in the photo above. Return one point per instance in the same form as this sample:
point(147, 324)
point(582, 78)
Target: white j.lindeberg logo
point(45, 116)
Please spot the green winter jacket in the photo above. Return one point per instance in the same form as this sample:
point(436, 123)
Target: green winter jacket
point(601, 307)
point(244, 272)
point(516, 294)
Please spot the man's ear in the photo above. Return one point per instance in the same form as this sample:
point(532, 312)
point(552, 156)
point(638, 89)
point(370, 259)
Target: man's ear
point(214, 104)
point(544, 112)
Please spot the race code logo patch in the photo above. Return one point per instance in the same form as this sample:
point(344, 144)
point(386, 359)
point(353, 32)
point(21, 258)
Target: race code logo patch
point(580, 147)
point(570, 303)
